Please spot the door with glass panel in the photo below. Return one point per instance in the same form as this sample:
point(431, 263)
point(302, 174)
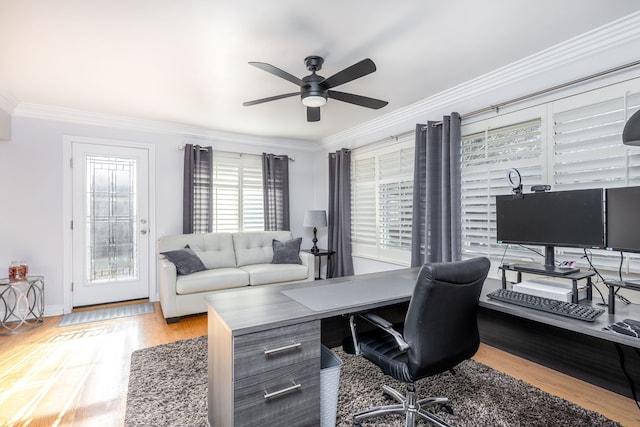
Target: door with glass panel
point(110, 224)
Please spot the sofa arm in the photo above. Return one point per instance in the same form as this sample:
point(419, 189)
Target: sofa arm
point(309, 261)
point(167, 275)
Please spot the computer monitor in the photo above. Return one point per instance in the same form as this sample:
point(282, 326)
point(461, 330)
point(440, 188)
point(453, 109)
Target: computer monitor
point(572, 218)
point(623, 210)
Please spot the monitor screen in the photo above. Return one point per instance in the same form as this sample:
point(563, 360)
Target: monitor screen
point(623, 206)
point(562, 218)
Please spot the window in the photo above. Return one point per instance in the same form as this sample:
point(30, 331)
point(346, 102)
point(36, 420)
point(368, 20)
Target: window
point(571, 143)
point(237, 193)
point(486, 156)
point(382, 200)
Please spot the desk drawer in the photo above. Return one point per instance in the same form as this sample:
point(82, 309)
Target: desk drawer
point(286, 396)
point(268, 350)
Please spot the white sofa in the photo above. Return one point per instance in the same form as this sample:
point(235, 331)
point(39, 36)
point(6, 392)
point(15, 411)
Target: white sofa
point(231, 260)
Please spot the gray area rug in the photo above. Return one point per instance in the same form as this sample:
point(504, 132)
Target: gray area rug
point(105, 314)
point(168, 387)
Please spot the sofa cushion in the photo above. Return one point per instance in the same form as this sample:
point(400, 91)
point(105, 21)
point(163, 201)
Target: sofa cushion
point(255, 247)
point(262, 274)
point(185, 260)
point(214, 249)
point(286, 252)
point(211, 280)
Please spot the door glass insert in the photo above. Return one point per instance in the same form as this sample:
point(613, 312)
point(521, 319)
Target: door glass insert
point(111, 219)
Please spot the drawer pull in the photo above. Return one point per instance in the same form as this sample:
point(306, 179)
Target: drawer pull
point(283, 348)
point(286, 390)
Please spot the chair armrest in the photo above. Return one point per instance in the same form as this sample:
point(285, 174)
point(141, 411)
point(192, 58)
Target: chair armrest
point(379, 322)
point(167, 276)
point(386, 326)
point(309, 261)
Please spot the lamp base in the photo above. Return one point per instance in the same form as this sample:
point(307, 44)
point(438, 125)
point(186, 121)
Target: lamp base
point(315, 249)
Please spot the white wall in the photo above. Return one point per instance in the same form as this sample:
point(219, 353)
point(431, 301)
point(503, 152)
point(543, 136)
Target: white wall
point(32, 168)
point(5, 125)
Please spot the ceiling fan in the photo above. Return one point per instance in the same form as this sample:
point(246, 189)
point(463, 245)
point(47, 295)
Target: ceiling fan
point(315, 89)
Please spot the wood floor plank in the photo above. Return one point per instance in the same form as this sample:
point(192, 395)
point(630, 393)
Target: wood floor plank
point(78, 375)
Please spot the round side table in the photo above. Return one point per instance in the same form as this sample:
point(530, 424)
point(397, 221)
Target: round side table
point(21, 304)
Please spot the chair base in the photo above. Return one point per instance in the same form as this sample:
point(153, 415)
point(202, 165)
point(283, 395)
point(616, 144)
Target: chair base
point(407, 406)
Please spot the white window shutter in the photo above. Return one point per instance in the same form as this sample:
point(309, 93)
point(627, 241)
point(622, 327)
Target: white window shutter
point(382, 202)
point(237, 193)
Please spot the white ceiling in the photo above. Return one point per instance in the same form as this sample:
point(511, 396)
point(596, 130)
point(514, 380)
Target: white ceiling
point(186, 61)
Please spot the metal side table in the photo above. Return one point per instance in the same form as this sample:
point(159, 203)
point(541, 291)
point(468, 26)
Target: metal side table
point(21, 304)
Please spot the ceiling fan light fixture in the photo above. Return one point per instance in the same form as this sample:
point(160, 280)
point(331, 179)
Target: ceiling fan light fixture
point(314, 101)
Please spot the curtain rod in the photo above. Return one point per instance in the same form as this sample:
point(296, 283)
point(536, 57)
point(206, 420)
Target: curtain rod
point(181, 147)
point(544, 91)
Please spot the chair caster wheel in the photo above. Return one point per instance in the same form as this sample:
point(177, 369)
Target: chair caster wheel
point(448, 409)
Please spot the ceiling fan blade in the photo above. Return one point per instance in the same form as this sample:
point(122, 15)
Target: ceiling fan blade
point(313, 114)
point(271, 98)
point(360, 69)
point(362, 101)
point(278, 72)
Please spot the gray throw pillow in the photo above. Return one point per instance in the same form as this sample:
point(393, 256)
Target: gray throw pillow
point(186, 261)
point(286, 252)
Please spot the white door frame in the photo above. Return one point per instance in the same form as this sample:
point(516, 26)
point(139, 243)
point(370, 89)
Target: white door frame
point(67, 196)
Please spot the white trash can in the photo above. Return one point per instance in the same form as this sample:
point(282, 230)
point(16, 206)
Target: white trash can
point(330, 365)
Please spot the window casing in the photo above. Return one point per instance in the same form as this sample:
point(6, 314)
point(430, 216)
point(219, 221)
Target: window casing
point(382, 200)
point(237, 193)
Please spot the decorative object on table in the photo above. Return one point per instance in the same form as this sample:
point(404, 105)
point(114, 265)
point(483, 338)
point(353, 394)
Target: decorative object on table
point(315, 219)
point(21, 303)
point(18, 271)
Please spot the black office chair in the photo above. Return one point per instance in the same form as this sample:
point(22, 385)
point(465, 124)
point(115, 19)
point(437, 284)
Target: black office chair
point(440, 331)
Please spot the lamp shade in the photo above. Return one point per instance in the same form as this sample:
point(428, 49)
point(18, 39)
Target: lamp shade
point(631, 131)
point(315, 219)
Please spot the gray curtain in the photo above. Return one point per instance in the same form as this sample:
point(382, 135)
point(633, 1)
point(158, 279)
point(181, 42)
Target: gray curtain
point(196, 193)
point(275, 185)
point(341, 263)
point(436, 227)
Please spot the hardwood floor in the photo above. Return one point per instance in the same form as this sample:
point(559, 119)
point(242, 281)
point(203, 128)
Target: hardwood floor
point(78, 375)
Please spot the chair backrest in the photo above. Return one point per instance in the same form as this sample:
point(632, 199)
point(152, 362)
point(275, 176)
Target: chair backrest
point(441, 325)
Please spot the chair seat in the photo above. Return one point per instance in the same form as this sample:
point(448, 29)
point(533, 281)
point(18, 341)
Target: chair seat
point(382, 349)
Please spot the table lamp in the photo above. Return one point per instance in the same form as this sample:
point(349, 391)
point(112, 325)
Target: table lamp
point(315, 219)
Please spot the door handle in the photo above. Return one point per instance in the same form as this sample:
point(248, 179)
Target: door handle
point(143, 231)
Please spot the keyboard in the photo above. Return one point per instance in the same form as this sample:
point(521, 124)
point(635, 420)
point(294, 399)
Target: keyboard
point(562, 308)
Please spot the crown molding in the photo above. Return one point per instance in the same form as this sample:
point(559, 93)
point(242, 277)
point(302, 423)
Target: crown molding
point(584, 47)
point(61, 114)
point(8, 102)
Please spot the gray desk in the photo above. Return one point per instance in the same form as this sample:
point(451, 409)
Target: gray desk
point(264, 342)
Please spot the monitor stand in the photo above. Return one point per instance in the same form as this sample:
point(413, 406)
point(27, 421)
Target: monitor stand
point(631, 284)
point(549, 267)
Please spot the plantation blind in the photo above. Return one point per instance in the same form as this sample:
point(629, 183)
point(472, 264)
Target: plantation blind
point(237, 193)
point(486, 156)
point(588, 153)
point(381, 201)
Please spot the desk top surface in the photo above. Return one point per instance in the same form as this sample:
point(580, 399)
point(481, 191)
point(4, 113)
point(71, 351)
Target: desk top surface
point(253, 309)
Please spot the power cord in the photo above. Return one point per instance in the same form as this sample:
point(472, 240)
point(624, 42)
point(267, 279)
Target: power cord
point(626, 374)
point(587, 256)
